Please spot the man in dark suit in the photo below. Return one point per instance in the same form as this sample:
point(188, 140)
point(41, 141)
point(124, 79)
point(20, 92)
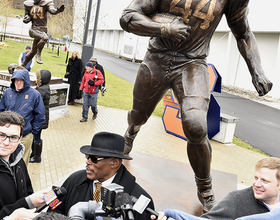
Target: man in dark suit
point(103, 165)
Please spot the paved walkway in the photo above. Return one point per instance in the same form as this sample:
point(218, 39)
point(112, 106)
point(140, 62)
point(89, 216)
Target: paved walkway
point(65, 135)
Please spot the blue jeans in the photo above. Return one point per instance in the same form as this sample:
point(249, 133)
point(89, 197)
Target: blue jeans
point(90, 99)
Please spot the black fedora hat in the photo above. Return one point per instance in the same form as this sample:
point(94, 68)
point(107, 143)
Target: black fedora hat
point(107, 145)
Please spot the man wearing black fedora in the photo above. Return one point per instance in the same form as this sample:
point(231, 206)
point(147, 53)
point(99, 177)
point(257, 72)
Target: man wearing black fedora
point(104, 165)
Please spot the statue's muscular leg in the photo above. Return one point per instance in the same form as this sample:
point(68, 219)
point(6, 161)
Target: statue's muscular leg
point(199, 154)
point(31, 54)
point(40, 46)
point(132, 129)
point(193, 94)
point(146, 95)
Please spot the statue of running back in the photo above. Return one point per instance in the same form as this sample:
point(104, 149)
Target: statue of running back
point(36, 12)
point(180, 32)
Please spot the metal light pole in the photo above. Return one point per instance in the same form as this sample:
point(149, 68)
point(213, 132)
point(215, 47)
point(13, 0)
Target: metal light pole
point(87, 50)
point(95, 24)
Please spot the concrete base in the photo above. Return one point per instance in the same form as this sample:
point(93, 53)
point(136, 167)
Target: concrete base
point(79, 101)
point(227, 128)
point(58, 112)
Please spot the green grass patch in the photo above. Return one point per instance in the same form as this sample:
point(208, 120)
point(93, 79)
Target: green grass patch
point(16, 11)
point(241, 143)
point(52, 62)
point(119, 94)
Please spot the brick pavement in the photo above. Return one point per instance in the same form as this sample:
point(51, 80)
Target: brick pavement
point(65, 135)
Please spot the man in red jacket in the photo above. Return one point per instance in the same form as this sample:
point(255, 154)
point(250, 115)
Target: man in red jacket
point(90, 83)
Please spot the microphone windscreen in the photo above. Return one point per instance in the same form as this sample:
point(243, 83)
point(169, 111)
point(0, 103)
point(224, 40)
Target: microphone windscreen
point(60, 192)
point(127, 199)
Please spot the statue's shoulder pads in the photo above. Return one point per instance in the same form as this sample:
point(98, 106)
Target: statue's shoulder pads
point(46, 2)
point(28, 3)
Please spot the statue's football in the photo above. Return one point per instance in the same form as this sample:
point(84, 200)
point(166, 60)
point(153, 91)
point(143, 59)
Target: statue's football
point(163, 17)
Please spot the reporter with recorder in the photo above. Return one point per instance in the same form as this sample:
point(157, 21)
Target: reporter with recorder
point(15, 186)
point(103, 166)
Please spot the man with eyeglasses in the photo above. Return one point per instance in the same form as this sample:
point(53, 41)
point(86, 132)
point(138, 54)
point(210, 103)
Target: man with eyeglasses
point(15, 186)
point(104, 165)
point(26, 101)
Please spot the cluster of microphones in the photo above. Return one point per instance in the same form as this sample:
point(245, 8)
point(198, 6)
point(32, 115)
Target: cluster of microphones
point(116, 204)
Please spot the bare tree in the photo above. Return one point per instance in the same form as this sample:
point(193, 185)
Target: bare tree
point(5, 8)
point(72, 21)
point(61, 24)
point(80, 16)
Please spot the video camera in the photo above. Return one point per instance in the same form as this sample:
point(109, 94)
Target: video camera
point(116, 204)
point(103, 90)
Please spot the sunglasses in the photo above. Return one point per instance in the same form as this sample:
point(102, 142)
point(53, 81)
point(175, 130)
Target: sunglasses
point(95, 159)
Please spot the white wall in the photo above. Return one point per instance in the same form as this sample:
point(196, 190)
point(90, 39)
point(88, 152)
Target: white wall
point(232, 67)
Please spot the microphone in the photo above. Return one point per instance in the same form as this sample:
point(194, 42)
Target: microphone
point(140, 205)
point(51, 198)
point(128, 206)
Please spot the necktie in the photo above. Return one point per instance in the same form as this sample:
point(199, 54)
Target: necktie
point(96, 194)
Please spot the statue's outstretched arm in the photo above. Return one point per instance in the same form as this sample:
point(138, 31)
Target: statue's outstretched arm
point(137, 19)
point(248, 48)
point(52, 10)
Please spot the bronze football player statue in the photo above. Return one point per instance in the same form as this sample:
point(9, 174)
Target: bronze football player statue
point(36, 12)
point(180, 32)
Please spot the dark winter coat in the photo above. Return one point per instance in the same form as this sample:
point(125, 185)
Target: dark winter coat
point(27, 102)
point(100, 68)
point(75, 69)
point(237, 204)
point(80, 189)
point(42, 86)
point(15, 183)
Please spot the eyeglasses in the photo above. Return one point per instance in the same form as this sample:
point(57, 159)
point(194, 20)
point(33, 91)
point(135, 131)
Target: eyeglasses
point(12, 139)
point(95, 159)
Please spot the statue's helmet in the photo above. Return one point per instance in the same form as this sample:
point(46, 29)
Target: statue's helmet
point(12, 68)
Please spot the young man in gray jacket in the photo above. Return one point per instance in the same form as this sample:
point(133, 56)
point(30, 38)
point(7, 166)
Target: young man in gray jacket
point(261, 197)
